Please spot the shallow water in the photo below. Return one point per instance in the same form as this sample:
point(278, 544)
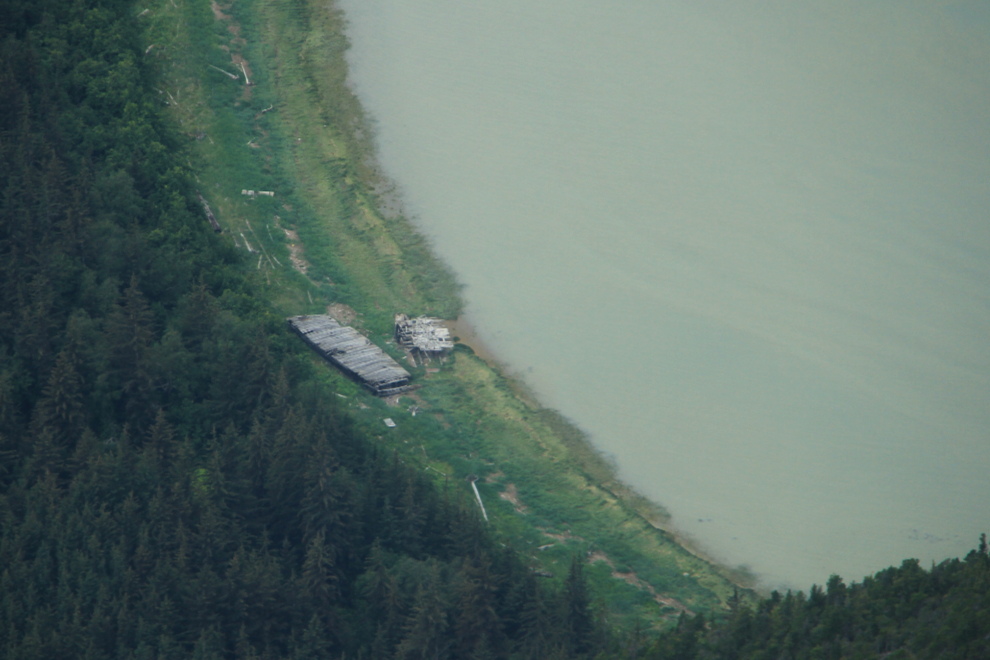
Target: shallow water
point(745, 247)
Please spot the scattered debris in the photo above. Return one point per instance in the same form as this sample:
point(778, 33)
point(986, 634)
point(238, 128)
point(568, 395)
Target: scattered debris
point(261, 245)
point(255, 193)
point(424, 334)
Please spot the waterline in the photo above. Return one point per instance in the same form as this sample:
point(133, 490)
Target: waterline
point(745, 250)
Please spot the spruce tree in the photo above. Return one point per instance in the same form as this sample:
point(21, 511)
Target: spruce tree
point(476, 619)
point(579, 622)
point(426, 628)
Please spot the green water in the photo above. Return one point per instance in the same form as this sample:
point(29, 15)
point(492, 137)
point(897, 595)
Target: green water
point(745, 246)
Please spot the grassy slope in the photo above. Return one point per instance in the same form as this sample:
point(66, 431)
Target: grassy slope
point(311, 150)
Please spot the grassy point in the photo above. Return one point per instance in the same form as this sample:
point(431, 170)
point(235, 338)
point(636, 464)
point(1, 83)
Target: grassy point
point(323, 239)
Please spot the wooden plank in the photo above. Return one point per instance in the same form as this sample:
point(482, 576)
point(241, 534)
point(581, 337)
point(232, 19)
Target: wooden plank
point(425, 334)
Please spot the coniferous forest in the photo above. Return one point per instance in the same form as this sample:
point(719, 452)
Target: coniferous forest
point(175, 481)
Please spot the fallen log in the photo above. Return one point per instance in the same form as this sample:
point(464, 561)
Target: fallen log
point(209, 214)
point(478, 495)
point(226, 73)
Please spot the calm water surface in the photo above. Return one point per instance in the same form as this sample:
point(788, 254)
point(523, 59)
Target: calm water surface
point(745, 246)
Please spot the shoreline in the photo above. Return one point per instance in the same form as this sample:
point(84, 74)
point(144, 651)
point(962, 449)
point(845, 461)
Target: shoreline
point(317, 151)
point(464, 332)
point(389, 202)
point(652, 512)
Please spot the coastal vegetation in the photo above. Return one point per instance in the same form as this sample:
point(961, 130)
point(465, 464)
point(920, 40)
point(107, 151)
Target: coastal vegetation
point(181, 477)
point(299, 131)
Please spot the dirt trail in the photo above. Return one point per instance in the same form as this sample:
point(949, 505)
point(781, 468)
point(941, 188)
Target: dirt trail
point(295, 255)
point(218, 12)
point(633, 579)
point(241, 65)
point(511, 495)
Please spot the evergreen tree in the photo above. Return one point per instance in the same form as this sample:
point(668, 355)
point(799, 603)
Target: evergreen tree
point(476, 622)
point(535, 638)
point(60, 410)
point(160, 445)
point(425, 635)
point(381, 593)
point(130, 335)
point(320, 581)
point(579, 622)
point(315, 645)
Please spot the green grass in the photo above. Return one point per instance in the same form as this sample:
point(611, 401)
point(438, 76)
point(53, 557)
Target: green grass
point(313, 148)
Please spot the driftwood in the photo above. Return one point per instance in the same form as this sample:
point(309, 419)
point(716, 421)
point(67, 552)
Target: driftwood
point(209, 214)
point(352, 353)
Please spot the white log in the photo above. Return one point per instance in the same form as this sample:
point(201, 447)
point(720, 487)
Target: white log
point(480, 503)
